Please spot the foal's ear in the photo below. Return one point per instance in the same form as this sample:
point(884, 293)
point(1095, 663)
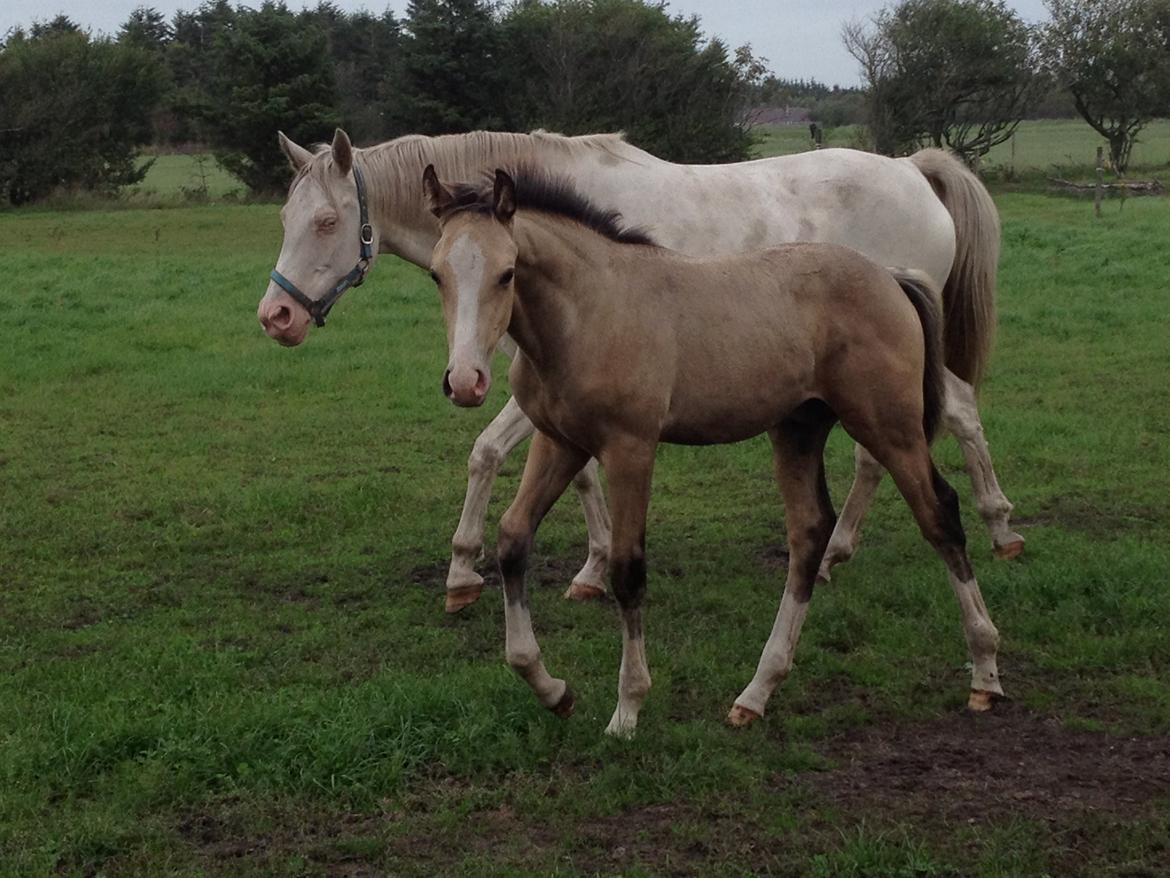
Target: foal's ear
point(438, 197)
point(504, 197)
point(298, 156)
point(342, 152)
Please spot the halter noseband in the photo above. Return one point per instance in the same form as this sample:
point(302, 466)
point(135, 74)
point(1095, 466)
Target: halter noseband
point(318, 308)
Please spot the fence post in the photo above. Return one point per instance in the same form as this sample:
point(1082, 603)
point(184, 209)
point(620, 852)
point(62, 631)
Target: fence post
point(1100, 181)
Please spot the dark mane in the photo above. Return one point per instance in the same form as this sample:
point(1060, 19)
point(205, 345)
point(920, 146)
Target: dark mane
point(539, 190)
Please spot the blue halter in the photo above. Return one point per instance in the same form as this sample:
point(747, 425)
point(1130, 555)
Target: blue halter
point(318, 308)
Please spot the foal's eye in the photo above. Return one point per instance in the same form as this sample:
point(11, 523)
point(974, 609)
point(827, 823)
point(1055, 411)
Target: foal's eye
point(506, 277)
point(435, 278)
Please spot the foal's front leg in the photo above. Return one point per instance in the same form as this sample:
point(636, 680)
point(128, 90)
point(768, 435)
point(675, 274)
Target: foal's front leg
point(507, 430)
point(629, 464)
point(549, 469)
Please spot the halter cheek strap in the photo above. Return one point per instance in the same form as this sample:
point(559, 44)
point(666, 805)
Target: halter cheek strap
point(318, 308)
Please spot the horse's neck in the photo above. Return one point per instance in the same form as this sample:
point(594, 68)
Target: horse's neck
point(553, 257)
point(405, 224)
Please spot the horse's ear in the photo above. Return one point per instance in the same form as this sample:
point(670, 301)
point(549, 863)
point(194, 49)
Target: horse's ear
point(504, 197)
point(437, 195)
point(298, 156)
point(342, 152)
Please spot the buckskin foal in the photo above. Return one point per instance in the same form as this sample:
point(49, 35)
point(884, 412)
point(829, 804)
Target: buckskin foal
point(623, 345)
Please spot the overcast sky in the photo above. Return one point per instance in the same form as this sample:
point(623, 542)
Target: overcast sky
point(800, 38)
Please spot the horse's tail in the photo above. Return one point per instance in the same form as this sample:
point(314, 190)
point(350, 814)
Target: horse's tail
point(969, 294)
point(924, 297)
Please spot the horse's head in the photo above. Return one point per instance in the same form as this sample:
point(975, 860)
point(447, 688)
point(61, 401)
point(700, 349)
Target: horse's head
point(473, 266)
point(329, 244)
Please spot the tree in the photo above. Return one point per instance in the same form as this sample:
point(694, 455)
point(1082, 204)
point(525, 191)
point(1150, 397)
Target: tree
point(146, 28)
point(606, 65)
point(365, 51)
point(104, 91)
point(1113, 58)
point(271, 71)
point(453, 70)
point(958, 73)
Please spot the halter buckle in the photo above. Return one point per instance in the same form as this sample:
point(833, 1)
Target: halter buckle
point(367, 234)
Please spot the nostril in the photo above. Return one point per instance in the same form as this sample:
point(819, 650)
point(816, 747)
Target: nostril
point(481, 382)
point(282, 319)
point(447, 384)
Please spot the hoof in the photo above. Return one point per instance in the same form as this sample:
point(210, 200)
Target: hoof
point(564, 707)
point(1010, 550)
point(740, 716)
point(982, 700)
point(823, 577)
point(580, 591)
point(462, 596)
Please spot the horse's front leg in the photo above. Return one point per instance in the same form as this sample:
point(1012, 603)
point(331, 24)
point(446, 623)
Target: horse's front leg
point(629, 465)
point(507, 430)
point(961, 417)
point(547, 472)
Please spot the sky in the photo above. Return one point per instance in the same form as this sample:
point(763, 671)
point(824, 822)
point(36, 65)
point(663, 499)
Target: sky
point(801, 39)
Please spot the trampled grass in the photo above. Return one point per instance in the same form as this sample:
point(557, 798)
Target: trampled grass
point(222, 650)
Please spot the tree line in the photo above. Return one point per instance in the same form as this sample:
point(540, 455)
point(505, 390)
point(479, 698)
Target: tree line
point(75, 108)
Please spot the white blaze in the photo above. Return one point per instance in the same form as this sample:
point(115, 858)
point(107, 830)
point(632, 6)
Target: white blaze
point(467, 264)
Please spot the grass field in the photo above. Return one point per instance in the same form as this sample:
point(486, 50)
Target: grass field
point(1042, 145)
point(222, 650)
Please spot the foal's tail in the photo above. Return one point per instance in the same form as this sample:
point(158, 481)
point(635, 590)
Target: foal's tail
point(969, 295)
point(924, 297)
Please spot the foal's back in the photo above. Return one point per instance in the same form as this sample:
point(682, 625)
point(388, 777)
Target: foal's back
point(729, 346)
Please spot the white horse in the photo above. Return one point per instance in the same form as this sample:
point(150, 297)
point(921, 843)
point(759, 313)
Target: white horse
point(926, 212)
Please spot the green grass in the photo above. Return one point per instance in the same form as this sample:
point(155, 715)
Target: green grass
point(173, 173)
point(222, 650)
point(1049, 145)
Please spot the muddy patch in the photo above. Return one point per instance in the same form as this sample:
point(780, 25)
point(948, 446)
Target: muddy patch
point(980, 767)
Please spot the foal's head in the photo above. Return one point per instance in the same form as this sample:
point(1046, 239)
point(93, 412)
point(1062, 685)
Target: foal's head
point(325, 243)
point(473, 266)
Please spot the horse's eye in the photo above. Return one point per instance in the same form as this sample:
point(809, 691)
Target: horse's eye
point(506, 277)
point(435, 278)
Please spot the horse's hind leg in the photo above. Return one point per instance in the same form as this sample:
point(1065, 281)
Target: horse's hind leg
point(846, 535)
point(961, 417)
point(798, 449)
point(589, 583)
point(936, 508)
point(547, 472)
point(507, 430)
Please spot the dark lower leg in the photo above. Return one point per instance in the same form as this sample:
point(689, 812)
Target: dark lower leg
point(629, 466)
point(936, 508)
point(547, 473)
point(808, 512)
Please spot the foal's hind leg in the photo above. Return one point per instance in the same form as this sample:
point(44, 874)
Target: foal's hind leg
point(936, 508)
point(961, 417)
point(547, 472)
point(798, 449)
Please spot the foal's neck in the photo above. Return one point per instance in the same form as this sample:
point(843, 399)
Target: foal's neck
point(560, 270)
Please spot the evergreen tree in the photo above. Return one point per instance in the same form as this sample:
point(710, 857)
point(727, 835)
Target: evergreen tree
point(453, 70)
point(271, 71)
